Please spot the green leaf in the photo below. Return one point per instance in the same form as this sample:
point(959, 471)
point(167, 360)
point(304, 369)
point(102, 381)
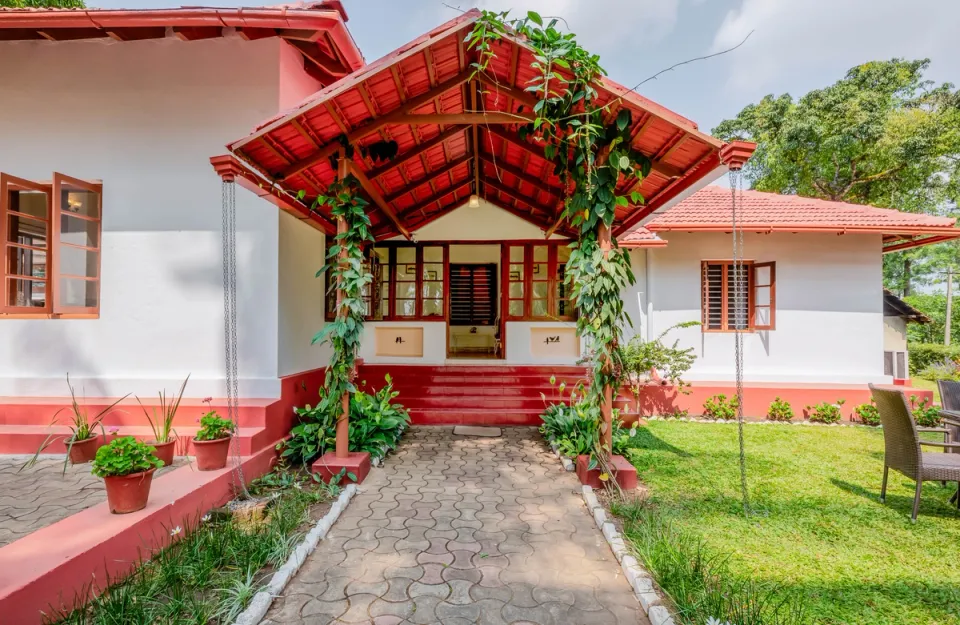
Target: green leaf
point(534, 17)
point(623, 119)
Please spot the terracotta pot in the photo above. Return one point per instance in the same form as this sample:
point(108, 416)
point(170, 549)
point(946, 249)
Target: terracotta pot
point(164, 451)
point(211, 455)
point(128, 493)
point(85, 450)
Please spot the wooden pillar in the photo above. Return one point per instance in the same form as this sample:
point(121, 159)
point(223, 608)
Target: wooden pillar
point(606, 406)
point(343, 422)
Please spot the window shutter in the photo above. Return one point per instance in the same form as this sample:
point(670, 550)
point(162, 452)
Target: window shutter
point(25, 242)
point(76, 245)
point(712, 282)
point(764, 313)
point(472, 295)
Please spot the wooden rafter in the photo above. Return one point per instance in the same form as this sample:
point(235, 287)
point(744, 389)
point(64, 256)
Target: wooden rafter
point(439, 195)
point(445, 119)
point(429, 177)
point(540, 185)
point(507, 91)
point(375, 125)
point(513, 193)
point(374, 194)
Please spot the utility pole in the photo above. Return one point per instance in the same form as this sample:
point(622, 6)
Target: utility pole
point(947, 322)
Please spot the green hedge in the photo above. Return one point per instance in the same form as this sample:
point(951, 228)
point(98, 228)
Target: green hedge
point(922, 355)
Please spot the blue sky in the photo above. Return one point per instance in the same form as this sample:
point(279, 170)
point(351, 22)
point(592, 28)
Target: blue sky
point(796, 45)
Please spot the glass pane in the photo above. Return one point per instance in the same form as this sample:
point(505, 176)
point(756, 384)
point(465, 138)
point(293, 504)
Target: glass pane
point(540, 271)
point(383, 254)
point(80, 202)
point(540, 290)
point(433, 289)
point(762, 275)
point(27, 231)
point(516, 272)
point(516, 254)
point(78, 231)
point(384, 308)
point(23, 262)
point(406, 255)
point(406, 290)
point(433, 254)
point(761, 296)
point(539, 308)
point(406, 308)
point(407, 272)
point(761, 316)
point(516, 289)
point(26, 293)
point(432, 271)
point(516, 308)
point(433, 307)
point(29, 203)
point(77, 262)
point(564, 309)
point(80, 293)
point(384, 290)
point(563, 254)
point(539, 253)
point(384, 273)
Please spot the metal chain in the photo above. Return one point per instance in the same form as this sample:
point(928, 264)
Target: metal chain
point(229, 239)
point(740, 319)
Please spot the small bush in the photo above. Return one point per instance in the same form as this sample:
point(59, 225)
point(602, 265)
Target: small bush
point(922, 355)
point(780, 410)
point(214, 427)
point(868, 413)
point(719, 407)
point(926, 415)
point(825, 412)
point(124, 456)
point(946, 370)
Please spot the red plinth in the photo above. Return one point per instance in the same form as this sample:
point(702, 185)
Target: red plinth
point(624, 473)
point(328, 465)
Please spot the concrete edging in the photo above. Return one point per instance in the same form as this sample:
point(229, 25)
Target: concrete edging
point(261, 602)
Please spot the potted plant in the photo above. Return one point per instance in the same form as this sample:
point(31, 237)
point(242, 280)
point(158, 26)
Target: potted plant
point(82, 442)
point(212, 442)
point(164, 436)
point(126, 466)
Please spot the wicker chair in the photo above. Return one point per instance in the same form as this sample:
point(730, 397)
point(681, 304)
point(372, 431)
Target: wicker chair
point(902, 447)
point(950, 402)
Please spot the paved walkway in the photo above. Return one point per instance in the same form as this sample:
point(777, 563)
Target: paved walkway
point(458, 530)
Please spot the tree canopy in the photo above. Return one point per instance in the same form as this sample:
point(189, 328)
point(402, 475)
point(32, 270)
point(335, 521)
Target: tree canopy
point(882, 135)
point(40, 4)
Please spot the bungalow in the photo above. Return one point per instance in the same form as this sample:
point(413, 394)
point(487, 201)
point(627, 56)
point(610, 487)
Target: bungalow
point(117, 271)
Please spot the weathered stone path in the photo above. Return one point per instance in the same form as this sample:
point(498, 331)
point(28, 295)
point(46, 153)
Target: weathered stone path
point(458, 530)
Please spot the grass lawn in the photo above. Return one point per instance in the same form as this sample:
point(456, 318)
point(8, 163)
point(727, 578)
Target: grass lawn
point(818, 527)
point(927, 385)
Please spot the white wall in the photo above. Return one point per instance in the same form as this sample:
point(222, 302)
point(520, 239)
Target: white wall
point(145, 117)
point(829, 313)
point(519, 346)
point(434, 342)
point(301, 297)
point(484, 223)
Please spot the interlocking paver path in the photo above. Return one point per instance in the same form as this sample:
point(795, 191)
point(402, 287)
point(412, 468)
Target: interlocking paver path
point(458, 530)
point(43, 494)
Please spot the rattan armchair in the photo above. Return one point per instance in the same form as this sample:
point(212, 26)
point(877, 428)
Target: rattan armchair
point(902, 447)
point(950, 402)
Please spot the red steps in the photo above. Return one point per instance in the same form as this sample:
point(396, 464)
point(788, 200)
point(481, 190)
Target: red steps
point(473, 394)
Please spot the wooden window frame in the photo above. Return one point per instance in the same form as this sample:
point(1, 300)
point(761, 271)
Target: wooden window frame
point(52, 308)
point(752, 286)
point(552, 282)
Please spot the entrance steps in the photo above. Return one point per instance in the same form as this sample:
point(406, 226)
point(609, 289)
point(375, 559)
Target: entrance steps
point(491, 395)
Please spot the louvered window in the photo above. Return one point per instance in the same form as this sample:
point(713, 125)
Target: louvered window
point(473, 295)
point(723, 310)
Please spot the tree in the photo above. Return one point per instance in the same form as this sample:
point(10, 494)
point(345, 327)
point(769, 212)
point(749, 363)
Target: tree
point(882, 135)
point(934, 306)
point(40, 4)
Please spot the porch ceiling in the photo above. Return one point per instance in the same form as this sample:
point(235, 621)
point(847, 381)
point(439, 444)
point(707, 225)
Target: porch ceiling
point(456, 134)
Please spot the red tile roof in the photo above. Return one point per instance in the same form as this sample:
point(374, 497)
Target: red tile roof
point(709, 210)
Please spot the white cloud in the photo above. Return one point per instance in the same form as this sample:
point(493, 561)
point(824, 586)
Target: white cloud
point(795, 44)
point(600, 24)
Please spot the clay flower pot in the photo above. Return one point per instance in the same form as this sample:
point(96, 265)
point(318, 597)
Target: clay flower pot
point(164, 451)
point(128, 493)
point(211, 455)
point(84, 451)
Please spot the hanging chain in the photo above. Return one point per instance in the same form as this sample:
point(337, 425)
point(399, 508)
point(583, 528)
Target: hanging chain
point(739, 323)
point(229, 239)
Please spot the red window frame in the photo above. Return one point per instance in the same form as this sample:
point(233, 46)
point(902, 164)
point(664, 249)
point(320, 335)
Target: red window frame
point(552, 280)
point(754, 287)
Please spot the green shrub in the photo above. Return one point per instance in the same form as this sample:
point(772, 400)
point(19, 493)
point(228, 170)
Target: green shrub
point(376, 426)
point(124, 456)
point(868, 413)
point(922, 355)
point(946, 370)
point(719, 407)
point(779, 410)
point(575, 428)
point(213, 427)
point(825, 412)
point(926, 415)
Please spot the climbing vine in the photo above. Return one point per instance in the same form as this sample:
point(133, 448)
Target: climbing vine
point(590, 149)
point(348, 271)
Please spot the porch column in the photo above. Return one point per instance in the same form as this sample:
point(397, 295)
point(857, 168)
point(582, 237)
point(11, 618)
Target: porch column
point(343, 423)
point(606, 406)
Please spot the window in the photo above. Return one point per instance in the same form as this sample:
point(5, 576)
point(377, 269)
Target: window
point(721, 312)
point(895, 364)
point(473, 295)
point(536, 285)
point(408, 283)
point(51, 246)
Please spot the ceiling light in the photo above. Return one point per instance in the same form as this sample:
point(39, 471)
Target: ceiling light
point(474, 201)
